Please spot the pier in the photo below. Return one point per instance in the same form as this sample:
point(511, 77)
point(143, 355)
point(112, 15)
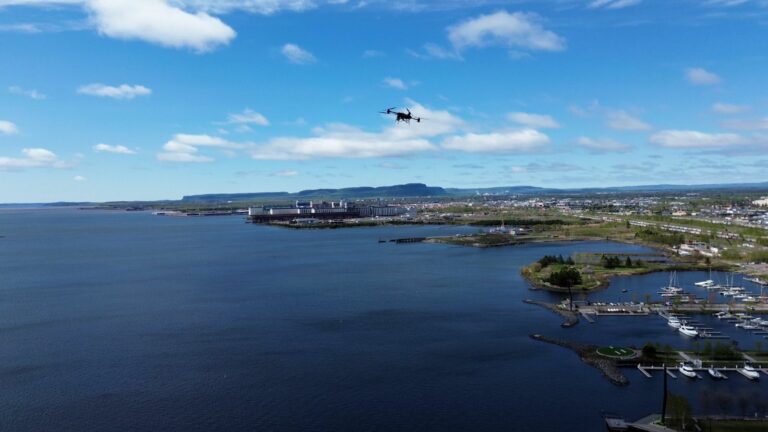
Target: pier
point(646, 371)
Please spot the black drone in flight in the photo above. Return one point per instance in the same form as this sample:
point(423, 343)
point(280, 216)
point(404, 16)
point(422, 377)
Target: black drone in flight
point(401, 116)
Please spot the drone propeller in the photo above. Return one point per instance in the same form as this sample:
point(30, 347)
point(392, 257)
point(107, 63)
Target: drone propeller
point(388, 110)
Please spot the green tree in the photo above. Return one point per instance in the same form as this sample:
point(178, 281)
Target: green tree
point(566, 277)
point(678, 412)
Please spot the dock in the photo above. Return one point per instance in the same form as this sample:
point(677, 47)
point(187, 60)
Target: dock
point(646, 371)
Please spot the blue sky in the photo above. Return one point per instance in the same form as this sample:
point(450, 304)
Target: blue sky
point(155, 99)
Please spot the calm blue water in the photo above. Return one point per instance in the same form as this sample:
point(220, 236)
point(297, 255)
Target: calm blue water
point(128, 321)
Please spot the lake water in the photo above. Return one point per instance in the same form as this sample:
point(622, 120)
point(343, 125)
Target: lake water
point(128, 321)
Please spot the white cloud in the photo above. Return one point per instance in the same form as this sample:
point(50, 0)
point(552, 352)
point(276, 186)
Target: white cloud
point(123, 91)
point(247, 117)
point(345, 141)
point(373, 53)
point(726, 3)
point(395, 83)
point(752, 124)
point(79, 178)
point(536, 121)
point(8, 128)
point(517, 141)
point(622, 120)
point(688, 139)
point(434, 51)
point(297, 55)
point(286, 173)
point(613, 4)
point(515, 30)
point(117, 149)
point(341, 141)
point(32, 94)
point(33, 158)
point(264, 7)
point(700, 76)
point(185, 148)
point(535, 167)
point(603, 145)
point(725, 108)
point(159, 22)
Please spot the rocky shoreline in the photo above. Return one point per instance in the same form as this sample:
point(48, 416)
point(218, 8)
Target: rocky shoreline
point(588, 354)
point(570, 318)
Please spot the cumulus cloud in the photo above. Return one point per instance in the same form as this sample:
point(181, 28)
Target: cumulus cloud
point(297, 55)
point(32, 158)
point(345, 141)
point(8, 128)
point(248, 117)
point(162, 22)
point(514, 30)
point(688, 139)
point(726, 108)
point(603, 145)
point(701, 76)
point(123, 91)
point(622, 120)
point(79, 178)
point(186, 148)
point(613, 4)
point(395, 83)
point(517, 141)
point(536, 121)
point(117, 149)
point(159, 22)
point(32, 94)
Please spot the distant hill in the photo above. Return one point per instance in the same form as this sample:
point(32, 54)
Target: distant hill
point(412, 190)
point(404, 190)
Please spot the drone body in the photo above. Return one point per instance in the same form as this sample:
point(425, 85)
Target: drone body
point(400, 116)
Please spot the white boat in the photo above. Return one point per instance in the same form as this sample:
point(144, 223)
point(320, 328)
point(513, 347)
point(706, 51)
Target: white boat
point(714, 373)
point(673, 322)
point(688, 331)
point(756, 280)
point(704, 284)
point(749, 299)
point(673, 285)
point(723, 315)
point(687, 370)
point(750, 372)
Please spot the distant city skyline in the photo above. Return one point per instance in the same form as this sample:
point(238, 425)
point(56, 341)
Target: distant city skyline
point(155, 99)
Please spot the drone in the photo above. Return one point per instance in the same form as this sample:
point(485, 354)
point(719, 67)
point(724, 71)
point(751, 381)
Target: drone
point(405, 117)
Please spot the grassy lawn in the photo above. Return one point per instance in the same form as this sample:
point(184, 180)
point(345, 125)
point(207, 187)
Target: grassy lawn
point(615, 352)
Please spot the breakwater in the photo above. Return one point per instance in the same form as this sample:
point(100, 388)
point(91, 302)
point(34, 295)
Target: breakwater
point(588, 354)
point(570, 318)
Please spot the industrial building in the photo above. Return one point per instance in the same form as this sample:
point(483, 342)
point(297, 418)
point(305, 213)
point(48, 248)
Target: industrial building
point(320, 210)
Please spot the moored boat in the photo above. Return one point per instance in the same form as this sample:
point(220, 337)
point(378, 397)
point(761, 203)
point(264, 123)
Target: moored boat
point(714, 373)
point(750, 372)
point(687, 370)
point(673, 322)
point(688, 331)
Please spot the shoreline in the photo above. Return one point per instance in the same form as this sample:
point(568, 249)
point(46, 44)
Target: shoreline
point(588, 354)
point(570, 318)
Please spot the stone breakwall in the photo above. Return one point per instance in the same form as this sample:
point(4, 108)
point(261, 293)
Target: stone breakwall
point(570, 318)
point(588, 354)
